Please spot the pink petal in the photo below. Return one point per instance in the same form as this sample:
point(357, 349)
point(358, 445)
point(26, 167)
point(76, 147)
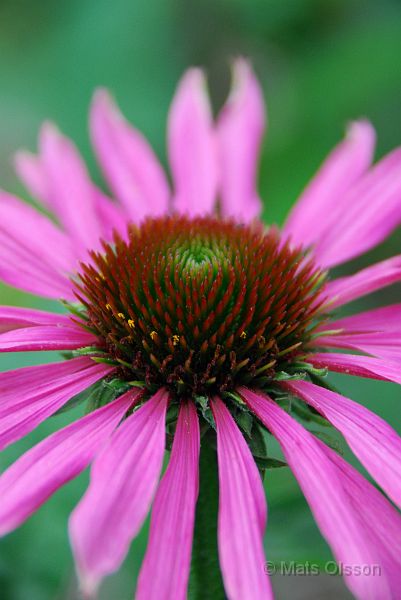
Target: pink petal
point(111, 216)
point(386, 345)
point(13, 317)
point(192, 147)
point(377, 516)
point(21, 412)
point(317, 209)
point(370, 211)
point(173, 516)
point(21, 272)
point(30, 170)
point(70, 189)
point(387, 318)
point(32, 173)
point(19, 383)
point(346, 289)
point(372, 440)
point(361, 366)
point(129, 163)
point(46, 337)
point(322, 486)
point(240, 129)
point(123, 480)
point(38, 473)
point(242, 512)
point(35, 255)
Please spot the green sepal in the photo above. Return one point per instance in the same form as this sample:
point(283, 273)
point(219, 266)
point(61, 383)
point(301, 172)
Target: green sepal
point(172, 414)
point(76, 309)
point(284, 376)
point(73, 402)
point(318, 380)
point(328, 440)
point(99, 394)
point(308, 413)
point(88, 351)
point(245, 420)
point(307, 369)
point(106, 392)
point(204, 405)
point(265, 462)
point(104, 360)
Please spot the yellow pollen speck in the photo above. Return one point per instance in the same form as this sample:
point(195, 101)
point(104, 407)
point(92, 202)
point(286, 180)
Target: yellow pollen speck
point(121, 315)
point(243, 335)
point(131, 323)
point(153, 334)
point(108, 307)
point(176, 339)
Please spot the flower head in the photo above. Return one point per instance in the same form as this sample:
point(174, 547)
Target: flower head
point(191, 325)
point(199, 305)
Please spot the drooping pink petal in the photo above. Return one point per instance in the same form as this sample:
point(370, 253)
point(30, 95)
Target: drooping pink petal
point(23, 273)
point(316, 210)
point(35, 233)
point(46, 337)
point(13, 317)
point(370, 211)
point(38, 473)
point(346, 289)
point(361, 366)
point(30, 170)
point(192, 147)
point(385, 345)
point(22, 383)
point(372, 440)
point(242, 512)
point(35, 255)
point(70, 189)
point(377, 516)
point(123, 480)
point(387, 318)
point(111, 215)
point(173, 516)
point(240, 129)
point(321, 484)
point(129, 163)
point(21, 412)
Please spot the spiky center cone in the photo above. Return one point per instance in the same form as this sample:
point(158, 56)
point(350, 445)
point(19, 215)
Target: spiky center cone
point(200, 305)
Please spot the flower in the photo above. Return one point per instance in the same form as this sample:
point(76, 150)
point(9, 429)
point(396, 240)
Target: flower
point(190, 321)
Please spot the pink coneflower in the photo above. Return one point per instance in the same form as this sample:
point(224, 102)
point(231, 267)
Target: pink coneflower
point(194, 327)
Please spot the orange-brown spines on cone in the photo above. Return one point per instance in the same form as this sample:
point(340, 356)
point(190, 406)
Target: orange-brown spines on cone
point(201, 304)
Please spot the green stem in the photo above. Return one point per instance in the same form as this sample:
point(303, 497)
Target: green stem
point(206, 582)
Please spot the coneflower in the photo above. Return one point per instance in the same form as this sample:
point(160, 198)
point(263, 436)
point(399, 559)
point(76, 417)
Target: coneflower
point(189, 325)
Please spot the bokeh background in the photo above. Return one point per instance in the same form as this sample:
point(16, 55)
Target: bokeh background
point(321, 63)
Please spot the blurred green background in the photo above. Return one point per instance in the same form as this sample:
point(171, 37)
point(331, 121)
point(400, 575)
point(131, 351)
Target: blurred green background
point(321, 63)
